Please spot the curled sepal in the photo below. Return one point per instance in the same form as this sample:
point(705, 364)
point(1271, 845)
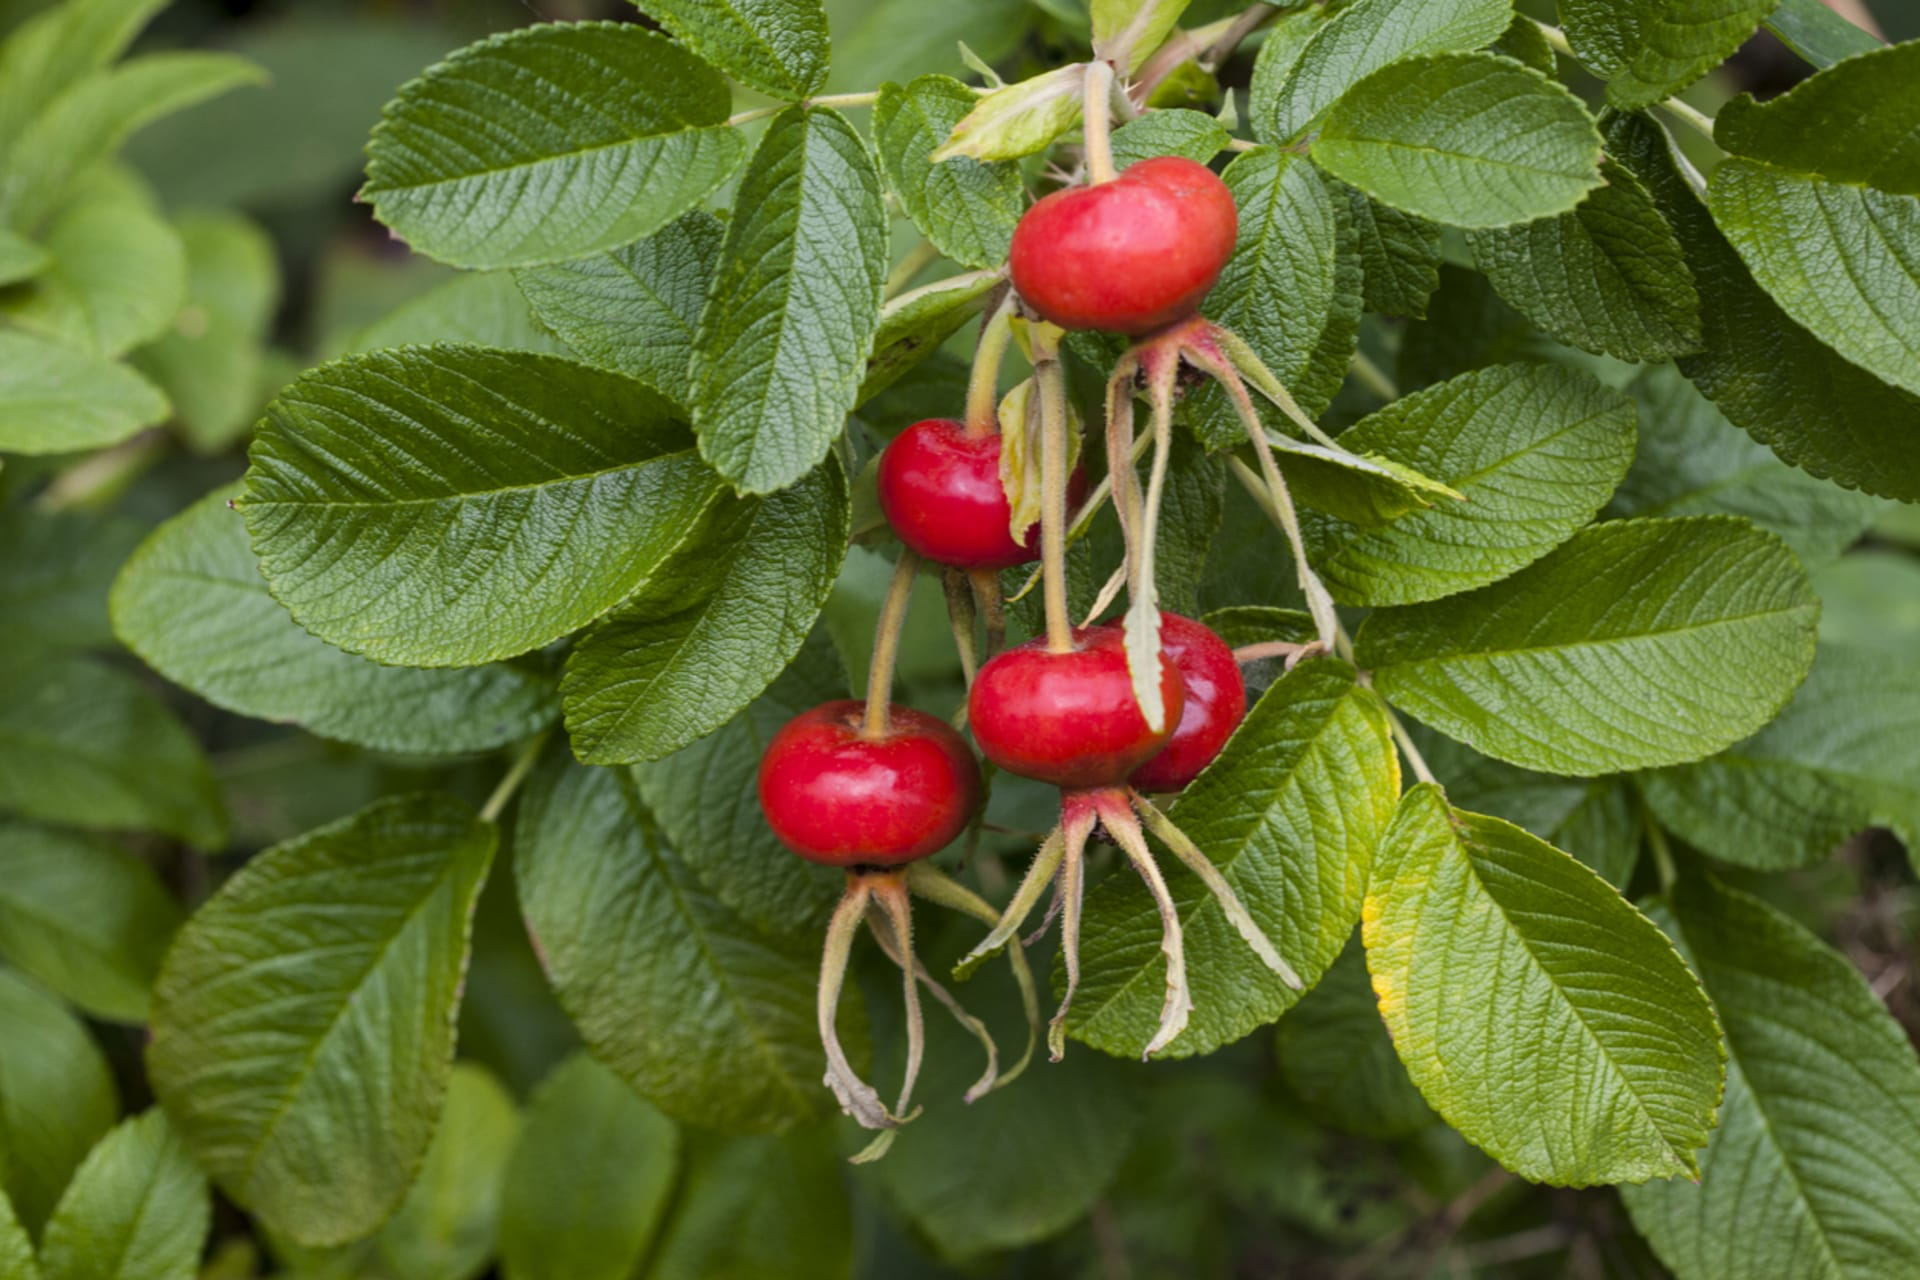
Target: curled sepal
point(937, 887)
point(857, 1098)
point(1045, 864)
point(1117, 817)
point(889, 919)
point(1077, 820)
point(1230, 905)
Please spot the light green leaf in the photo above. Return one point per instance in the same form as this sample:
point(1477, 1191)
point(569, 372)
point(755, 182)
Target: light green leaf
point(137, 1209)
point(1538, 1012)
point(548, 143)
point(56, 1098)
point(706, 802)
point(1814, 1169)
point(1336, 1056)
point(118, 275)
point(84, 918)
point(1534, 450)
point(1126, 32)
point(913, 326)
point(303, 1024)
point(779, 47)
point(783, 343)
point(55, 568)
point(20, 258)
point(588, 1180)
point(55, 399)
point(1814, 31)
point(1170, 131)
point(1018, 119)
point(1290, 814)
point(85, 744)
point(1692, 461)
point(1467, 139)
point(967, 209)
point(661, 978)
point(634, 309)
point(16, 1247)
point(191, 602)
point(483, 308)
point(712, 627)
point(210, 362)
point(1367, 36)
point(1609, 278)
point(880, 40)
point(1772, 378)
point(50, 51)
point(1295, 242)
point(448, 1226)
point(448, 506)
point(88, 122)
point(1399, 255)
point(758, 1207)
point(1647, 50)
point(1638, 643)
point(1843, 756)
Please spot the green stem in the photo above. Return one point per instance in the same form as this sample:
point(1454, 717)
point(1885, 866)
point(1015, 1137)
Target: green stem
point(1662, 849)
point(876, 723)
point(961, 617)
point(917, 259)
point(983, 384)
point(516, 774)
point(1374, 378)
point(1051, 381)
point(1415, 761)
point(1097, 125)
point(1690, 115)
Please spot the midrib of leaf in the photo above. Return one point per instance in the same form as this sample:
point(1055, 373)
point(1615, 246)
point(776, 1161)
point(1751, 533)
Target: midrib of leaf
point(310, 1056)
point(537, 162)
point(1581, 646)
point(473, 495)
point(754, 37)
point(1428, 149)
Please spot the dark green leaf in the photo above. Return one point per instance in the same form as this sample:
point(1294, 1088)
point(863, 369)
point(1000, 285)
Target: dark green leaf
point(137, 1209)
point(758, 1207)
point(449, 506)
point(55, 568)
point(1853, 124)
point(55, 399)
point(913, 326)
point(776, 46)
point(967, 209)
point(448, 1225)
point(1336, 1055)
point(303, 1024)
point(56, 1098)
point(1399, 255)
point(783, 343)
point(1638, 643)
point(550, 143)
point(1547, 1020)
point(1647, 50)
point(16, 1246)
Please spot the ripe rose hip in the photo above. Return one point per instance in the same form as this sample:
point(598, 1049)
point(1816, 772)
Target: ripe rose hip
point(842, 800)
point(1068, 718)
point(1216, 704)
point(1128, 256)
point(940, 490)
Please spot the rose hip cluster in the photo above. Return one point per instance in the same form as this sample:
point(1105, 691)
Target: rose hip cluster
point(876, 790)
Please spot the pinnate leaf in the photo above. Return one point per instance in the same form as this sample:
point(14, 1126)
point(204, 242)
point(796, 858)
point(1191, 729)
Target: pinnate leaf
point(137, 1209)
point(303, 1023)
point(550, 143)
point(779, 47)
point(1546, 1019)
point(1647, 50)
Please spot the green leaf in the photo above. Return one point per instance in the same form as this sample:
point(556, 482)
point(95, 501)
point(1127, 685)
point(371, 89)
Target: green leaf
point(191, 602)
point(1594, 819)
point(1290, 814)
point(1295, 242)
point(783, 343)
point(1851, 124)
point(1814, 1169)
point(85, 744)
point(712, 627)
point(1772, 378)
point(1336, 1056)
point(1692, 461)
point(913, 326)
point(137, 1209)
point(1609, 278)
point(1535, 451)
point(899, 39)
point(16, 1247)
point(1171, 131)
point(1467, 139)
point(55, 568)
point(1018, 119)
point(210, 362)
point(55, 399)
point(634, 309)
point(1365, 37)
point(967, 209)
point(661, 978)
point(47, 53)
point(550, 143)
point(303, 1024)
point(20, 258)
point(448, 1225)
point(118, 275)
point(448, 506)
point(758, 1207)
point(1647, 50)
point(1871, 599)
point(1126, 32)
point(1843, 756)
point(483, 309)
point(1399, 255)
point(56, 1098)
point(1281, 48)
point(1638, 643)
point(588, 1180)
point(84, 918)
point(1538, 1012)
point(87, 123)
point(779, 47)
point(1818, 34)
point(705, 799)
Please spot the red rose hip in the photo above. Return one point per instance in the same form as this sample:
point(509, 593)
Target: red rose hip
point(940, 490)
point(1068, 718)
point(842, 800)
point(1216, 703)
point(1128, 256)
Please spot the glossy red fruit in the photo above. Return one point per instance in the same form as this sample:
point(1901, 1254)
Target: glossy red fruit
point(1128, 256)
point(1068, 718)
point(841, 800)
point(1216, 704)
point(940, 490)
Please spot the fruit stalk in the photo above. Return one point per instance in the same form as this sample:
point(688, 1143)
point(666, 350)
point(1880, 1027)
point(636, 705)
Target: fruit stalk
point(876, 723)
point(1098, 123)
point(983, 385)
point(1051, 380)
